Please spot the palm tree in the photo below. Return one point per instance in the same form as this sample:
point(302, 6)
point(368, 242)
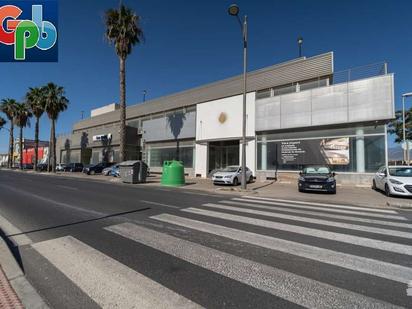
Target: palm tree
point(22, 120)
point(2, 122)
point(55, 103)
point(36, 101)
point(8, 107)
point(123, 30)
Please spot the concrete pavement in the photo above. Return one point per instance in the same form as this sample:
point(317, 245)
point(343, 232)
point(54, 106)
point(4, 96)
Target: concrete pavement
point(203, 250)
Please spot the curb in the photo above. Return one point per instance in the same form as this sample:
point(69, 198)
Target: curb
point(24, 290)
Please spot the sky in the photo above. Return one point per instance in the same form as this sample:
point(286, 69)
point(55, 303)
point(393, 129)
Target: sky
point(191, 43)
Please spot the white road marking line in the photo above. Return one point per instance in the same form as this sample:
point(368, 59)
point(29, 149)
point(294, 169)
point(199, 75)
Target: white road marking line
point(294, 288)
point(322, 204)
point(315, 213)
point(8, 228)
point(159, 204)
point(323, 209)
point(348, 226)
point(340, 237)
point(67, 187)
point(352, 262)
point(53, 202)
point(109, 283)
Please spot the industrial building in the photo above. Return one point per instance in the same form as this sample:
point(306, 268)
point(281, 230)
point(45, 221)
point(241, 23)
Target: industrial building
point(299, 112)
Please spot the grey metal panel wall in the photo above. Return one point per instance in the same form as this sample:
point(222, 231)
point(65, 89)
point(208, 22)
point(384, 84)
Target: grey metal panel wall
point(284, 73)
point(163, 129)
point(364, 100)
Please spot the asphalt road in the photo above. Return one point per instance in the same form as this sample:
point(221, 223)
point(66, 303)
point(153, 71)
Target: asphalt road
point(85, 244)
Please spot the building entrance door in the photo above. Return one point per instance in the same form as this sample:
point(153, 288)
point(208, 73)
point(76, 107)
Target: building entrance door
point(223, 154)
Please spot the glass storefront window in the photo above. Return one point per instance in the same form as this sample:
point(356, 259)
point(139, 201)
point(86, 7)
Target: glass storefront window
point(362, 153)
point(157, 156)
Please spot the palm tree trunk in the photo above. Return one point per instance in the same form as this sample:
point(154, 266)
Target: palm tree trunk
point(36, 144)
point(21, 147)
point(122, 109)
point(49, 159)
point(53, 137)
point(11, 146)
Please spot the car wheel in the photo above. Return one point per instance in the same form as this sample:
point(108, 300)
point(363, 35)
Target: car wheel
point(235, 181)
point(374, 187)
point(251, 179)
point(387, 191)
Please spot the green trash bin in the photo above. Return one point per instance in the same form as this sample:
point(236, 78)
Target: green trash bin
point(173, 174)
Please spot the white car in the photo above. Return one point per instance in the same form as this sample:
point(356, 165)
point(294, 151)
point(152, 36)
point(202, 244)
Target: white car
point(60, 167)
point(394, 180)
point(231, 175)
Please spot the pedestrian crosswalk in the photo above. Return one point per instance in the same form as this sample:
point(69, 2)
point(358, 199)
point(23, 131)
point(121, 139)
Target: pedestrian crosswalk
point(372, 246)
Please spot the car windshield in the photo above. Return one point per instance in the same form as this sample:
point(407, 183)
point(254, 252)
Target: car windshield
point(316, 170)
point(230, 169)
point(401, 171)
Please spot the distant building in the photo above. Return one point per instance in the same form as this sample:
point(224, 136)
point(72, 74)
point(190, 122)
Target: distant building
point(28, 151)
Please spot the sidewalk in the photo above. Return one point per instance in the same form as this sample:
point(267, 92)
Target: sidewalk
point(8, 297)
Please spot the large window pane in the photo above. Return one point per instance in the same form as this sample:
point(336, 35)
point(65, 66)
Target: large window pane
point(159, 155)
point(374, 156)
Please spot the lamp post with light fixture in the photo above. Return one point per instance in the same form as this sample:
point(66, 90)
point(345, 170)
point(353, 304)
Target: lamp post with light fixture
point(234, 11)
point(300, 42)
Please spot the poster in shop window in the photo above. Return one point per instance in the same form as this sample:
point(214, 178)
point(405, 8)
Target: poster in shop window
point(327, 151)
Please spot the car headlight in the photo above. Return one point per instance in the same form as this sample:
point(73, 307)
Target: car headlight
point(229, 176)
point(330, 179)
point(301, 178)
point(395, 182)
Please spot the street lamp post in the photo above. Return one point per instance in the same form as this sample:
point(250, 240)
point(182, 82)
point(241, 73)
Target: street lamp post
point(234, 11)
point(300, 42)
point(405, 143)
point(144, 95)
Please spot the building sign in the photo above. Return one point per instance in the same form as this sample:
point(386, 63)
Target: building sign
point(329, 151)
point(28, 31)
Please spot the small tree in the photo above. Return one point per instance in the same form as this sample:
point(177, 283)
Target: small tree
point(395, 127)
point(22, 119)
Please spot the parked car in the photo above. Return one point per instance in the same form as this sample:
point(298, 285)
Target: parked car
point(115, 172)
point(28, 166)
point(96, 168)
point(394, 180)
point(42, 167)
point(317, 178)
point(74, 167)
point(231, 175)
point(108, 170)
point(60, 167)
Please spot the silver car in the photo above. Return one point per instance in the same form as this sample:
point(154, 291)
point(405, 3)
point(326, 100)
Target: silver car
point(231, 175)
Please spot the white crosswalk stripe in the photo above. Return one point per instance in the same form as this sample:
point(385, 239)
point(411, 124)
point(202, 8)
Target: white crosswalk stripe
point(314, 221)
point(109, 283)
point(345, 238)
point(317, 213)
point(322, 204)
point(326, 209)
point(291, 287)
